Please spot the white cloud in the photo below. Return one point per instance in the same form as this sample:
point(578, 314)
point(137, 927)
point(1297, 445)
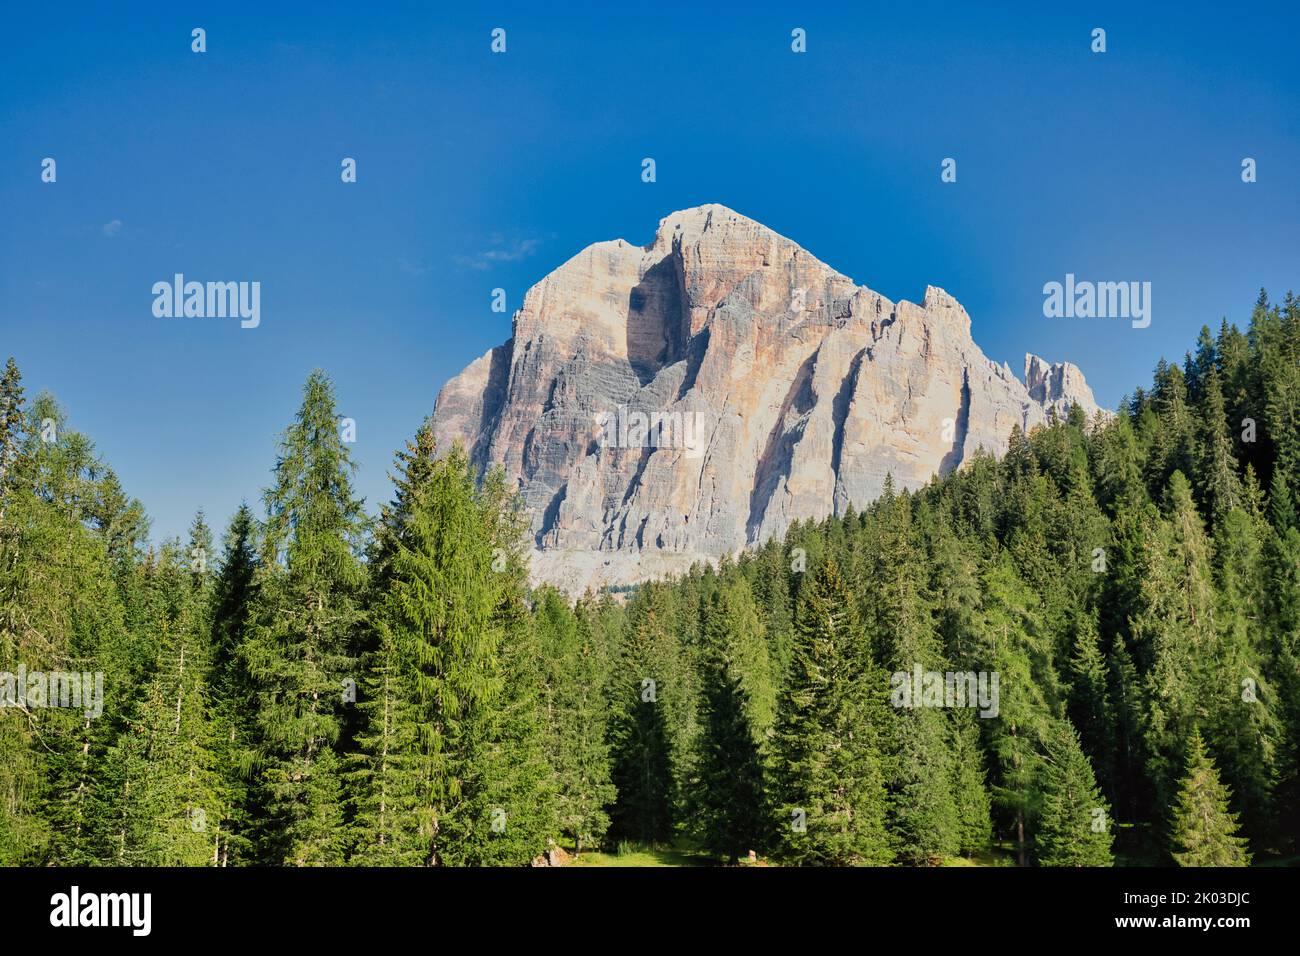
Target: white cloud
point(413, 268)
point(500, 251)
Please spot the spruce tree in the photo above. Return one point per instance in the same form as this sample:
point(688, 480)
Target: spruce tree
point(60, 610)
point(450, 769)
point(230, 603)
point(641, 690)
point(1278, 367)
point(119, 520)
point(1282, 562)
point(1116, 464)
point(161, 800)
point(1174, 632)
point(11, 424)
point(771, 587)
point(1204, 830)
point(521, 780)
point(1074, 825)
point(726, 798)
point(1090, 708)
point(828, 790)
point(1013, 641)
point(393, 816)
point(1282, 617)
point(1241, 702)
point(1220, 486)
point(923, 815)
point(1125, 692)
point(22, 832)
point(969, 790)
point(299, 641)
point(1171, 429)
point(576, 720)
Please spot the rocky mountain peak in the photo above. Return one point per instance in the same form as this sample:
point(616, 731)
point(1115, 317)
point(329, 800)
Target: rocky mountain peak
point(665, 404)
point(1058, 385)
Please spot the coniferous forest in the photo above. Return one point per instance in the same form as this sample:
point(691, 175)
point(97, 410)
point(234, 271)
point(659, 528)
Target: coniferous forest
point(320, 685)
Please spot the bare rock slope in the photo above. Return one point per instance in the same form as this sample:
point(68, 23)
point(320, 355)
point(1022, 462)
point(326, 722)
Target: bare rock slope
point(673, 403)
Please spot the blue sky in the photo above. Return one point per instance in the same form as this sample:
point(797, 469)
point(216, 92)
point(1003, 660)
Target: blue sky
point(478, 170)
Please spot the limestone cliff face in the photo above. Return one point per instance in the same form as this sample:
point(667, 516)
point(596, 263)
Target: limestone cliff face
point(674, 403)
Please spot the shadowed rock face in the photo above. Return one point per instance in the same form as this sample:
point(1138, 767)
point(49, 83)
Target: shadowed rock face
point(773, 387)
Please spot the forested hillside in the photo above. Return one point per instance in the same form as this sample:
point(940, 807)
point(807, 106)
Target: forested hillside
point(325, 686)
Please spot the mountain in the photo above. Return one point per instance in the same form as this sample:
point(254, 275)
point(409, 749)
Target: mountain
point(673, 403)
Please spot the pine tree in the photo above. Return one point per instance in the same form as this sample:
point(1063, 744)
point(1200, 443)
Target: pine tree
point(520, 777)
point(161, 800)
point(771, 590)
point(1116, 463)
point(1090, 708)
point(954, 581)
point(828, 795)
point(59, 611)
point(576, 721)
point(1278, 366)
point(1240, 701)
point(1220, 486)
point(1074, 826)
point(923, 819)
point(450, 769)
point(1172, 428)
point(22, 832)
point(1124, 690)
point(11, 424)
point(1013, 640)
point(233, 692)
point(1174, 629)
point(726, 799)
point(749, 649)
point(299, 639)
point(1282, 562)
point(119, 520)
point(1204, 830)
point(1202, 365)
point(1282, 617)
point(393, 818)
point(969, 790)
point(640, 735)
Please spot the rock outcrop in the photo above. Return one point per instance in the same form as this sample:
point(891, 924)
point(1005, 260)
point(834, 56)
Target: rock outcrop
point(1058, 386)
point(674, 403)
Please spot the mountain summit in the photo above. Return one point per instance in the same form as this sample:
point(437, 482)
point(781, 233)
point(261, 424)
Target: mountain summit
point(673, 403)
